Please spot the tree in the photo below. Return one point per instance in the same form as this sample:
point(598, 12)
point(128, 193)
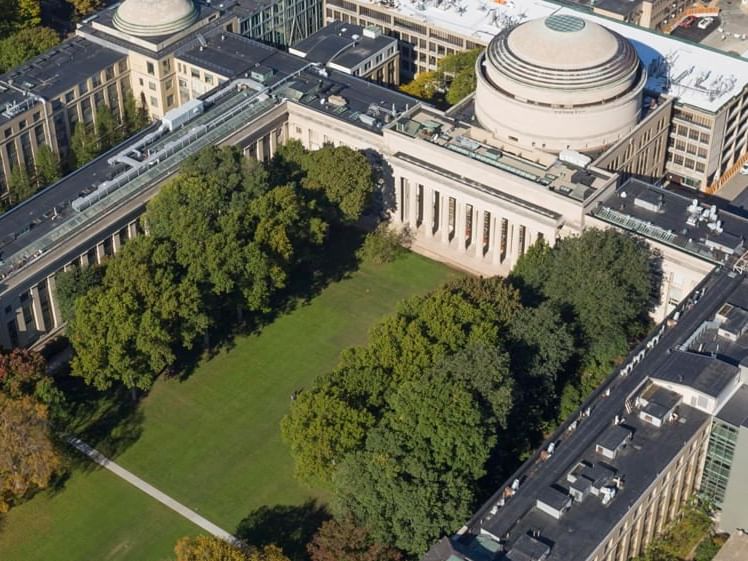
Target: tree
point(343, 176)
point(29, 13)
point(133, 326)
point(321, 430)
point(74, 283)
point(46, 167)
point(28, 458)
point(460, 71)
point(604, 279)
point(134, 117)
point(424, 86)
point(210, 548)
point(83, 144)
point(416, 478)
point(25, 44)
point(384, 245)
point(20, 184)
point(343, 540)
point(108, 132)
point(24, 373)
point(85, 7)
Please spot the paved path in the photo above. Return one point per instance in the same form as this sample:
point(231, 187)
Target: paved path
point(149, 489)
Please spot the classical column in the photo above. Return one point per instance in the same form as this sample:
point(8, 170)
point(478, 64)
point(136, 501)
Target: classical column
point(460, 226)
point(412, 206)
point(51, 287)
point(36, 309)
point(444, 219)
point(115, 242)
point(428, 211)
point(494, 240)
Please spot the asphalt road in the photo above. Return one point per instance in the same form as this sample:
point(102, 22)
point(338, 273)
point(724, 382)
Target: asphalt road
point(536, 476)
point(693, 33)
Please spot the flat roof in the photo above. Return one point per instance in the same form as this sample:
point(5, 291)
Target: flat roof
point(232, 55)
point(621, 7)
point(699, 76)
point(55, 71)
point(735, 411)
point(464, 138)
point(342, 43)
point(584, 526)
point(672, 219)
point(704, 373)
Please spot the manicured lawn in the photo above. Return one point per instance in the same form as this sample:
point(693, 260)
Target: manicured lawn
point(213, 441)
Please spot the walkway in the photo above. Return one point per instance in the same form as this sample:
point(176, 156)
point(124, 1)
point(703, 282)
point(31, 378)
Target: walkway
point(149, 489)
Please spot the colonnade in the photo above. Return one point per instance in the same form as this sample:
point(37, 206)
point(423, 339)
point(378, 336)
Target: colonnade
point(472, 233)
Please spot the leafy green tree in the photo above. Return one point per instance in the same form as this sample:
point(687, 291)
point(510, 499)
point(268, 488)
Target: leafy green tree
point(74, 283)
point(461, 68)
point(20, 185)
point(416, 478)
point(85, 7)
point(24, 373)
point(108, 130)
point(25, 44)
point(132, 327)
point(134, 117)
point(83, 144)
point(424, 86)
point(29, 13)
point(384, 245)
point(343, 540)
point(46, 167)
point(604, 279)
point(321, 431)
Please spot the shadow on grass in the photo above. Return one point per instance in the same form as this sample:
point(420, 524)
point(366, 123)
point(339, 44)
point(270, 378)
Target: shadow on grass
point(332, 263)
point(109, 421)
point(290, 527)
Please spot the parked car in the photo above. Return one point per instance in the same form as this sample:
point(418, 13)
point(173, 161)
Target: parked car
point(687, 22)
point(744, 170)
point(705, 22)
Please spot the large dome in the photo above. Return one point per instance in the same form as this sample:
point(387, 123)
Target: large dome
point(150, 18)
point(561, 82)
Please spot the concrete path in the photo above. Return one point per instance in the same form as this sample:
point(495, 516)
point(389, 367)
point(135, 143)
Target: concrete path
point(149, 489)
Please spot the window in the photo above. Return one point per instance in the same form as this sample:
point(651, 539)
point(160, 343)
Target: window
point(169, 83)
point(154, 102)
point(109, 73)
point(195, 73)
point(169, 100)
point(140, 81)
point(69, 96)
point(82, 87)
point(166, 65)
point(150, 68)
point(36, 116)
point(152, 86)
point(209, 79)
point(95, 81)
point(122, 66)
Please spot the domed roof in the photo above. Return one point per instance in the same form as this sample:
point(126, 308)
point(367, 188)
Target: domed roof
point(563, 42)
point(149, 18)
point(562, 59)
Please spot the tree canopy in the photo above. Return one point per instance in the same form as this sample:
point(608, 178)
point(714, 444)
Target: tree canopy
point(24, 44)
point(453, 79)
point(210, 548)
point(343, 540)
point(224, 237)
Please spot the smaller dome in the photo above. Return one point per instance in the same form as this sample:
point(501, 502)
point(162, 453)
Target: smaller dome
point(150, 18)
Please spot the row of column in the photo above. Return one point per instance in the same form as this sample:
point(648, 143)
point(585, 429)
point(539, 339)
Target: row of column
point(35, 312)
point(473, 230)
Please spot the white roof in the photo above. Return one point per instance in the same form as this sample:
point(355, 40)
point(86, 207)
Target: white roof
point(696, 75)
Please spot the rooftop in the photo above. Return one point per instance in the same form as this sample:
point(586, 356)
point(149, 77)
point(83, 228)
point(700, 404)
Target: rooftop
point(704, 373)
point(621, 7)
point(470, 140)
point(343, 44)
point(698, 76)
point(52, 73)
point(675, 220)
point(603, 489)
point(735, 411)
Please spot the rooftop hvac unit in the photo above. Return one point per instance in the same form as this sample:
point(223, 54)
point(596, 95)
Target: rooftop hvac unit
point(183, 114)
point(574, 158)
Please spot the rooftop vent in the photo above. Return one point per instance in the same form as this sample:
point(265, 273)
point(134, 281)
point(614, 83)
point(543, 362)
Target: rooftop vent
point(529, 548)
point(613, 440)
point(554, 501)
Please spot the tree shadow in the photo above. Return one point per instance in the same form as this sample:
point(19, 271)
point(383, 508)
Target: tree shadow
point(108, 421)
point(290, 527)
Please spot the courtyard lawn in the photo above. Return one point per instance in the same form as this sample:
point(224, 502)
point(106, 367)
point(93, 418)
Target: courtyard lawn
point(212, 441)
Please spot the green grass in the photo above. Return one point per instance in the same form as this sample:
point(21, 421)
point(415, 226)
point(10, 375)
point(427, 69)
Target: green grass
point(213, 441)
